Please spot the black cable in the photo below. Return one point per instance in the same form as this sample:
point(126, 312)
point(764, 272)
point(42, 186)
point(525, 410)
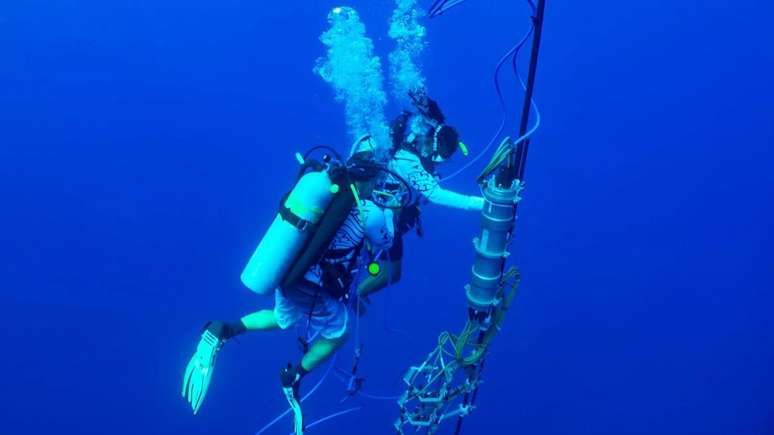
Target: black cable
point(518, 161)
point(441, 6)
point(513, 52)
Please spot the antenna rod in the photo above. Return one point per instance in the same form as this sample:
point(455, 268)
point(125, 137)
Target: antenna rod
point(518, 160)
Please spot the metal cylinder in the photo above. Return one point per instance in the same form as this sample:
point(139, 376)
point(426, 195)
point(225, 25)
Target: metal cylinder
point(491, 246)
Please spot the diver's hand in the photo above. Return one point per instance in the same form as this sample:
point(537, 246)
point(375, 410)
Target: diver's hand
point(478, 202)
point(198, 373)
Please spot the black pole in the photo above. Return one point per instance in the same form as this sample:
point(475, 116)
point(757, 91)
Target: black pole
point(518, 160)
point(469, 398)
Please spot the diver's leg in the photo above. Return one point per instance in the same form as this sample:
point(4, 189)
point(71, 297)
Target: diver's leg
point(198, 374)
point(264, 320)
point(290, 376)
point(331, 321)
point(320, 351)
point(326, 316)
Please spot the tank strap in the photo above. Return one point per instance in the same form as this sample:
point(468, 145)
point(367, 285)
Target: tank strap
point(293, 219)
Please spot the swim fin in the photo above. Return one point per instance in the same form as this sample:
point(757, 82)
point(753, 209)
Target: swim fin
point(291, 380)
point(198, 373)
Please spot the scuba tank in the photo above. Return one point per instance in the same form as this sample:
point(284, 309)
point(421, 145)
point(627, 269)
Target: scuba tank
point(317, 244)
point(300, 212)
point(309, 217)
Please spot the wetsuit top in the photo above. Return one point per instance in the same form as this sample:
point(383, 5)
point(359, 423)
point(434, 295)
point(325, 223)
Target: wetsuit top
point(424, 184)
point(367, 222)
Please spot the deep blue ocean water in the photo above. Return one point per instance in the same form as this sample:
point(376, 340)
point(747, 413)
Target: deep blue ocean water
point(144, 146)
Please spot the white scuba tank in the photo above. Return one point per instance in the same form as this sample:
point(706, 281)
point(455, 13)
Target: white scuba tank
point(283, 241)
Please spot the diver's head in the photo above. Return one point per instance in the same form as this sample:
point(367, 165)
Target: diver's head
point(446, 140)
point(418, 134)
point(438, 143)
point(427, 132)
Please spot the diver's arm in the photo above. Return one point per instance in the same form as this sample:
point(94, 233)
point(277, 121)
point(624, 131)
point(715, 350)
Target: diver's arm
point(451, 199)
point(380, 233)
point(428, 185)
point(389, 274)
point(408, 166)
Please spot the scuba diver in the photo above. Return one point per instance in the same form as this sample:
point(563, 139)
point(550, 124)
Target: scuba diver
point(309, 258)
point(421, 141)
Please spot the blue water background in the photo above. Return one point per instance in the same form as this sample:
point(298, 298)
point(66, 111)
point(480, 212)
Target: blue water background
point(144, 146)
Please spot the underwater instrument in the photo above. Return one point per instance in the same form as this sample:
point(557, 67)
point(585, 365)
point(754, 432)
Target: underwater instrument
point(445, 385)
